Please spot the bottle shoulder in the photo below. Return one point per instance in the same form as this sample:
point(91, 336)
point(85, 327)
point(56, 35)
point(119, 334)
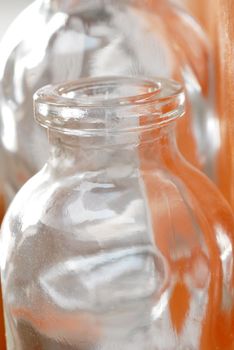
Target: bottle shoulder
point(72, 200)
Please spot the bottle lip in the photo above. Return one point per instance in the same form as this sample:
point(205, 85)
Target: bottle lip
point(91, 106)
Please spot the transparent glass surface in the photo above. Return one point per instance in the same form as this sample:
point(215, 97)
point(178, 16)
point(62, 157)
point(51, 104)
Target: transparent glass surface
point(58, 40)
point(117, 243)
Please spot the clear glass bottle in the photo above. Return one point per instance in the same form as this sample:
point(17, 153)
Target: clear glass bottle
point(57, 40)
point(117, 243)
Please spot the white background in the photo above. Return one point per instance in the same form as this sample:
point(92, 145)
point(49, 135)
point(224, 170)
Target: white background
point(9, 9)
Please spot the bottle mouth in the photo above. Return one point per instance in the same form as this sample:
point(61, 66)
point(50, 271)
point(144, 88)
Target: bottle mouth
point(109, 104)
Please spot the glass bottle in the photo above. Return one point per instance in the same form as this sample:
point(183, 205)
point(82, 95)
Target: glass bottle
point(117, 243)
point(57, 40)
point(222, 37)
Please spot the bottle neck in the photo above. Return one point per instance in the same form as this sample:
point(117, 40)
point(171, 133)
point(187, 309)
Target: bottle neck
point(109, 123)
point(72, 154)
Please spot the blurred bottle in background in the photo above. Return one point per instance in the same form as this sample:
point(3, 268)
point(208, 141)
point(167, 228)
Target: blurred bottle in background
point(222, 36)
point(58, 40)
point(216, 18)
point(8, 10)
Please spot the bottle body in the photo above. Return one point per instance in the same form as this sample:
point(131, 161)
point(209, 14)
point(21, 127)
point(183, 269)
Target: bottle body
point(60, 40)
point(115, 261)
point(117, 242)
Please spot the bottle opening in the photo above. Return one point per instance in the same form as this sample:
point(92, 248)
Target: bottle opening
point(109, 104)
point(110, 91)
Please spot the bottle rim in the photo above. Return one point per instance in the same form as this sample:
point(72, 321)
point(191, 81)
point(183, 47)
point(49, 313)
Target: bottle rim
point(109, 104)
